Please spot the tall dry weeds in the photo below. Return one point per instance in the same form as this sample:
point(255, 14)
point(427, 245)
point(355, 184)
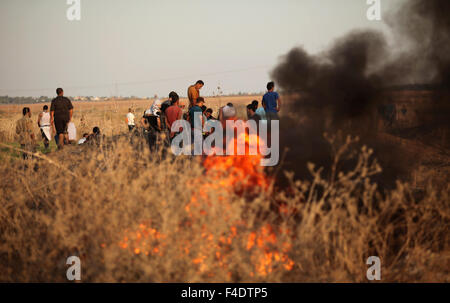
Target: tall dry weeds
point(135, 216)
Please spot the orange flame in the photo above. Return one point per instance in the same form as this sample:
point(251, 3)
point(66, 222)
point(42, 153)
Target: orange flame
point(241, 175)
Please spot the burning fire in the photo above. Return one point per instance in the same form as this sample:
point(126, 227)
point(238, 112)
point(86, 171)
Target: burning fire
point(243, 176)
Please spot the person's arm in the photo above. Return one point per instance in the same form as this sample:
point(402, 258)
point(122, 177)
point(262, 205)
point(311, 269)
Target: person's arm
point(167, 122)
point(39, 120)
point(52, 120)
point(220, 114)
point(30, 130)
point(278, 104)
point(144, 122)
point(158, 122)
point(188, 116)
point(191, 97)
point(70, 110)
point(263, 103)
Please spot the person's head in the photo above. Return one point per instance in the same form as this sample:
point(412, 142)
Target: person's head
point(208, 112)
point(270, 86)
point(174, 98)
point(45, 108)
point(130, 110)
point(26, 111)
point(199, 84)
point(200, 101)
point(229, 112)
point(251, 109)
point(59, 91)
point(96, 130)
point(86, 135)
point(255, 104)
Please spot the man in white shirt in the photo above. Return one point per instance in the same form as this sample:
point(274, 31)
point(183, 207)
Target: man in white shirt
point(130, 120)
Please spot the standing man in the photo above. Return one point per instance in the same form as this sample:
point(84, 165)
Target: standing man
point(271, 102)
point(61, 111)
point(173, 113)
point(24, 131)
point(44, 124)
point(130, 120)
point(194, 92)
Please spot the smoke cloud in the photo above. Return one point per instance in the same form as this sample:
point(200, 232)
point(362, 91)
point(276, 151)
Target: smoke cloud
point(341, 88)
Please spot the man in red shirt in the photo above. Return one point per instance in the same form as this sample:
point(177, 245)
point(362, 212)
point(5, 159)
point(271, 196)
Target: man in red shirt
point(173, 112)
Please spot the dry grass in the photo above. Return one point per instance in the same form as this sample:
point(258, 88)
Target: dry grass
point(135, 216)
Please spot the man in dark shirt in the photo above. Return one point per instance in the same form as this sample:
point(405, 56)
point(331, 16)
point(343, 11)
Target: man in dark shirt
point(195, 114)
point(61, 111)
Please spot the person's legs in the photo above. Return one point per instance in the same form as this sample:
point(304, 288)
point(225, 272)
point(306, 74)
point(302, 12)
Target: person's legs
point(60, 141)
point(46, 140)
point(269, 117)
point(66, 139)
point(24, 155)
point(61, 130)
point(152, 140)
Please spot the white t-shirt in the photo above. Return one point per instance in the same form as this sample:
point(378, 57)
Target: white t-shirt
point(130, 118)
point(45, 119)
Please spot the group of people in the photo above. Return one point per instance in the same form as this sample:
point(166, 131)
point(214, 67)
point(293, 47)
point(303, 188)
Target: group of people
point(57, 121)
point(155, 124)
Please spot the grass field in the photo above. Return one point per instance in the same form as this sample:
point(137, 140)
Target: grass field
point(108, 115)
point(131, 215)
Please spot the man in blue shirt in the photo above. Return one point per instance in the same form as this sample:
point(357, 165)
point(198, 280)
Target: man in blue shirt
point(195, 114)
point(271, 102)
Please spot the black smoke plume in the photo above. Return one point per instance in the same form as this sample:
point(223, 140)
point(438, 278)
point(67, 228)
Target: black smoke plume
point(341, 88)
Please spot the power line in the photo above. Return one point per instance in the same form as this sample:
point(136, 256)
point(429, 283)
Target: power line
point(135, 82)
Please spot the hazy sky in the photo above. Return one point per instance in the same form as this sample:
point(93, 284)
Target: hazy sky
point(152, 47)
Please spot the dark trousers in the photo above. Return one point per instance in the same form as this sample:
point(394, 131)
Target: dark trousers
point(151, 138)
